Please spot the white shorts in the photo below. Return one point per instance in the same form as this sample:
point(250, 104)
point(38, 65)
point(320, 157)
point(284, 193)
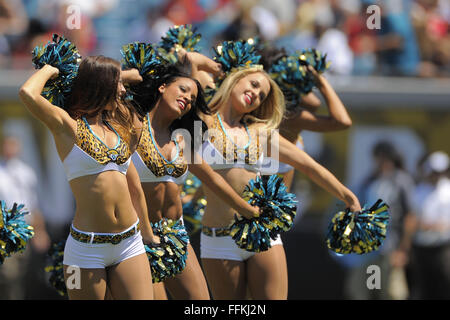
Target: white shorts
point(225, 248)
point(101, 255)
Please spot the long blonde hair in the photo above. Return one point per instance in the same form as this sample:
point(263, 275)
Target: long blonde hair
point(270, 112)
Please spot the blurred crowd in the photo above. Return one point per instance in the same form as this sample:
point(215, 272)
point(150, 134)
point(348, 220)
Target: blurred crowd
point(361, 37)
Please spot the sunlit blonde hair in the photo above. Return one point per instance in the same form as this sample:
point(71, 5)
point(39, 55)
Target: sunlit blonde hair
point(270, 112)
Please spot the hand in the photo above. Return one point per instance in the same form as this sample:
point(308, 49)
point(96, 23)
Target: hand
point(353, 204)
point(54, 72)
point(319, 79)
point(131, 76)
point(202, 62)
point(257, 212)
point(151, 240)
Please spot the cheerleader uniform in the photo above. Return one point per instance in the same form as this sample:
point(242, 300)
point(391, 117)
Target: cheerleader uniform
point(152, 166)
point(89, 156)
point(216, 243)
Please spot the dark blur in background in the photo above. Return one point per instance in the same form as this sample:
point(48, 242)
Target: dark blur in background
point(394, 80)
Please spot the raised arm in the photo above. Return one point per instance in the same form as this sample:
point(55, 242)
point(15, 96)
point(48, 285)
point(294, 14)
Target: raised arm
point(131, 76)
point(55, 118)
point(337, 118)
point(140, 205)
point(290, 154)
point(217, 184)
point(204, 69)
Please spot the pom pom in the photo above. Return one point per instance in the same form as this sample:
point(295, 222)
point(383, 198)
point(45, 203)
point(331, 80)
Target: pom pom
point(278, 210)
point(143, 57)
point(358, 232)
point(14, 231)
point(168, 258)
point(62, 54)
point(236, 55)
point(55, 268)
point(190, 185)
point(193, 210)
point(292, 76)
point(192, 215)
point(184, 36)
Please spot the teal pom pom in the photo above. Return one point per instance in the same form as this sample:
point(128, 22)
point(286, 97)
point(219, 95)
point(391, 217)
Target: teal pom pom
point(168, 258)
point(193, 210)
point(358, 232)
point(184, 36)
point(190, 185)
point(143, 57)
point(234, 55)
point(278, 210)
point(292, 77)
point(192, 215)
point(62, 54)
point(14, 231)
point(55, 267)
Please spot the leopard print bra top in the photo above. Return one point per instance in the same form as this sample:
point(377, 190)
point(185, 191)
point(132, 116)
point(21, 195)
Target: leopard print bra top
point(151, 165)
point(220, 152)
point(90, 155)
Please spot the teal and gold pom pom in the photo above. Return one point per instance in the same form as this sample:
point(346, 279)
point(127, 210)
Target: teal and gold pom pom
point(168, 258)
point(193, 210)
point(55, 267)
point(192, 215)
point(190, 185)
point(278, 210)
point(14, 231)
point(236, 55)
point(358, 232)
point(291, 75)
point(184, 36)
point(63, 55)
point(143, 57)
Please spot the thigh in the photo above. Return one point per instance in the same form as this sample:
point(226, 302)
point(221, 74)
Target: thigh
point(226, 278)
point(159, 291)
point(190, 284)
point(267, 274)
point(131, 279)
point(85, 284)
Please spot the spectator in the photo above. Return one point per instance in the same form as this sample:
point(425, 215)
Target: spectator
point(431, 29)
point(398, 52)
point(394, 185)
point(430, 252)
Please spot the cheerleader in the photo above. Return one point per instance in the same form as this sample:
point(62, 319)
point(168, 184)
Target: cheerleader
point(171, 102)
point(95, 139)
point(247, 105)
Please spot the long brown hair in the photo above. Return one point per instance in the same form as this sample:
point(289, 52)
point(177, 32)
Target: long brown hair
point(94, 87)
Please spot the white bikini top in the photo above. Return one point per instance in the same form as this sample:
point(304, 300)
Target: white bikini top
point(152, 166)
point(249, 157)
point(90, 155)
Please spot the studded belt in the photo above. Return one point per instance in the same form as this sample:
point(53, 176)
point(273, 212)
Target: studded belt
point(216, 232)
point(96, 238)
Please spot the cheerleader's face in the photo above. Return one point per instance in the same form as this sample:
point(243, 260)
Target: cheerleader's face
point(249, 92)
point(178, 96)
